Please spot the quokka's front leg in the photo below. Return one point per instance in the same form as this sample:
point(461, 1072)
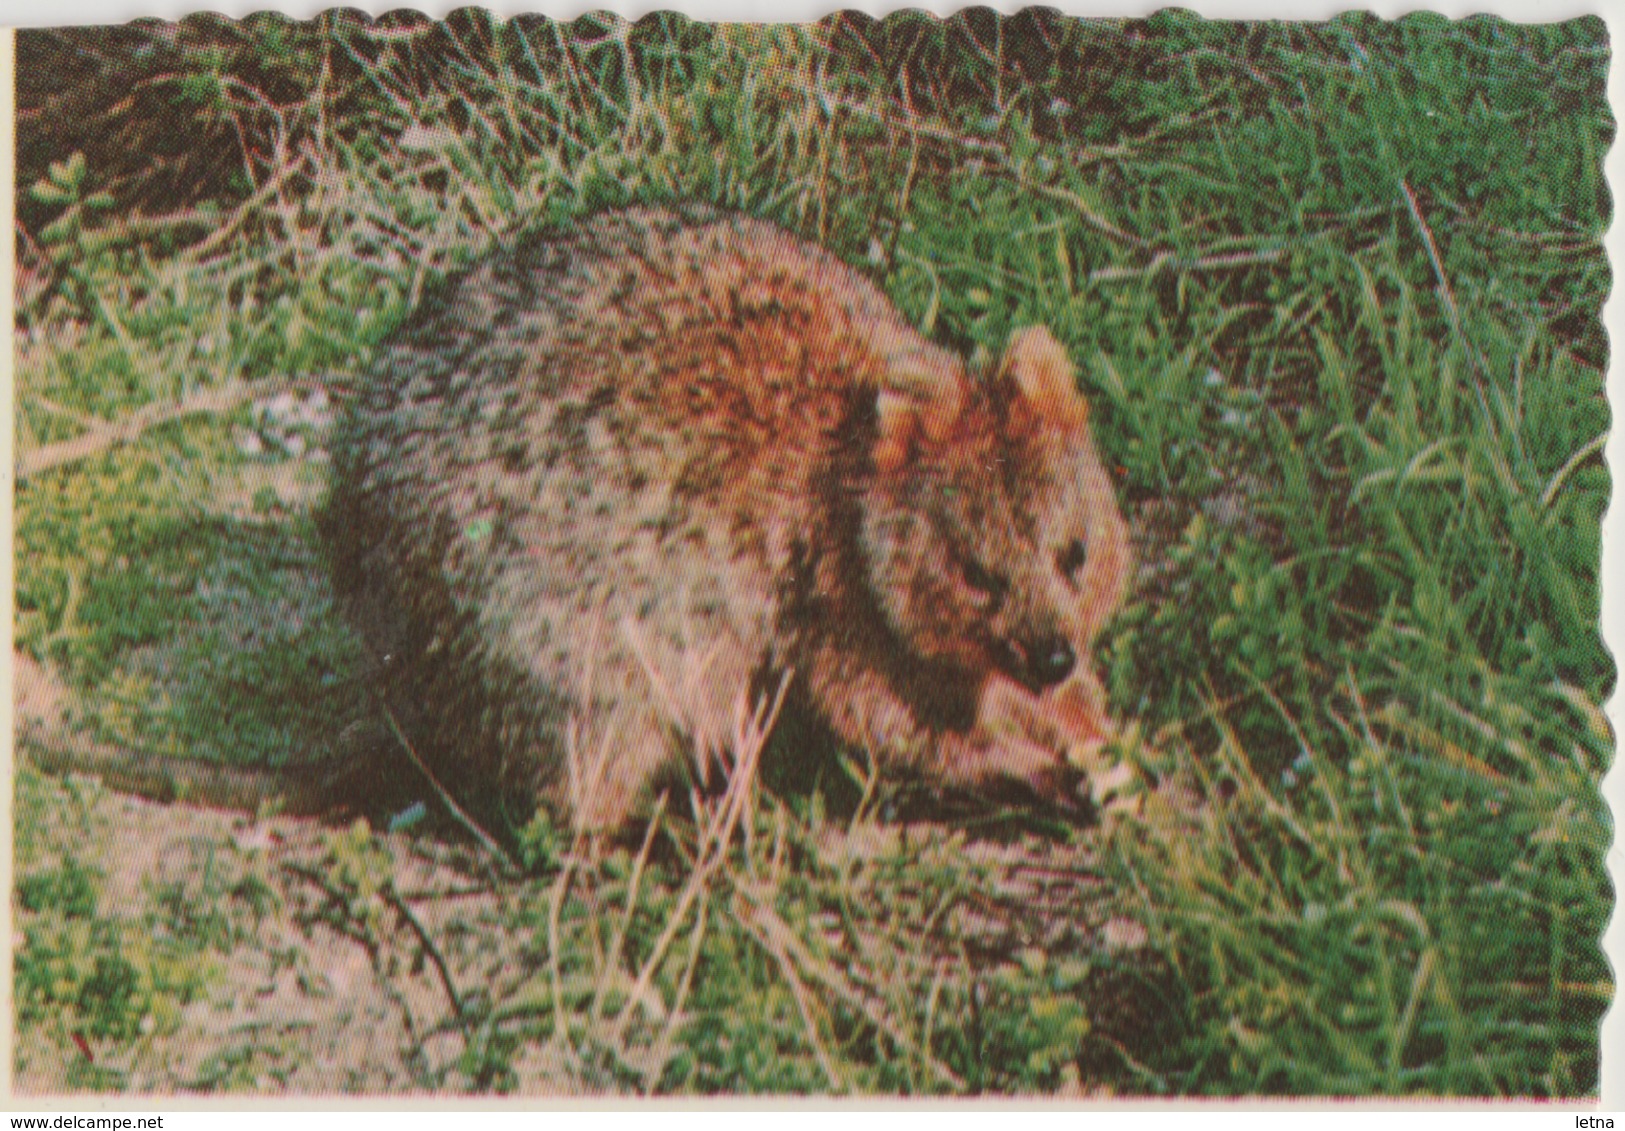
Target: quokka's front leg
point(1011, 740)
point(978, 762)
point(1051, 741)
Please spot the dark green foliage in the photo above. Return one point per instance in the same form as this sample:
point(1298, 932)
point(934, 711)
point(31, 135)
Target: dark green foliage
point(69, 890)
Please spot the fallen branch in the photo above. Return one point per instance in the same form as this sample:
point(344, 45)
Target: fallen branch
point(483, 838)
point(1164, 261)
point(429, 948)
point(110, 434)
point(228, 229)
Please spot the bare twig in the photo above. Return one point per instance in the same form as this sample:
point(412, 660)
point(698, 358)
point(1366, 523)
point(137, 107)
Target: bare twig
point(79, 418)
point(392, 898)
point(349, 924)
point(555, 907)
point(1165, 261)
point(236, 220)
point(660, 1051)
point(1445, 293)
point(356, 929)
point(634, 885)
point(462, 818)
point(111, 434)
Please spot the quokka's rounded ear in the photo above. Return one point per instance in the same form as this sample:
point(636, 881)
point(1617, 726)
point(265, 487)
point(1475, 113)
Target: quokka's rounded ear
point(1043, 376)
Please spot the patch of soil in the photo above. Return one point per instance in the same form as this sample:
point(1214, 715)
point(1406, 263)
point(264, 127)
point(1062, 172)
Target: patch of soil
point(305, 995)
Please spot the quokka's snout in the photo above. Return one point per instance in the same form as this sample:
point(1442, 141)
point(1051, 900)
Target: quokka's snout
point(718, 441)
point(1040, 664)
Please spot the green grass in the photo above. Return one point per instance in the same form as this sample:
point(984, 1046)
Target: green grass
point(1334, 291)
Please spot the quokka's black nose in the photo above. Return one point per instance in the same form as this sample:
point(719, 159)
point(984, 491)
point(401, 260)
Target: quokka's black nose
point(1051, 661)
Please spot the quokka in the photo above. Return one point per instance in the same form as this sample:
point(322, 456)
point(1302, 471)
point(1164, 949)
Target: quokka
point(670, 433)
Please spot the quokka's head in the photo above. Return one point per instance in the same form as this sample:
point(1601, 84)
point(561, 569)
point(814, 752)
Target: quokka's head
point(991, 532)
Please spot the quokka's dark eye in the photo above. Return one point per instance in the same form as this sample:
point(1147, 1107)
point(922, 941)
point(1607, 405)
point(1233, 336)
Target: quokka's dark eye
point(989, 588)
point(1070, 560)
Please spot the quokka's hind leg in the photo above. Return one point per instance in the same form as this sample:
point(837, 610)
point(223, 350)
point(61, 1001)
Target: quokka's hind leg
point(663, 711)
point(614, 757)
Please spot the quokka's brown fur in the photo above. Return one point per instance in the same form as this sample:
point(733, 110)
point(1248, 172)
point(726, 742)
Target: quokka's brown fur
point(681, 436)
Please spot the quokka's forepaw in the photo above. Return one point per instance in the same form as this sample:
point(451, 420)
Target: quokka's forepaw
point(1011, 769)
point(1115, 785)
point(1117, 792)
point(1109, 792)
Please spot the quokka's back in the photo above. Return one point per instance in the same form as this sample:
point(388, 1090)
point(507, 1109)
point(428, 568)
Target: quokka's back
point(617, 475)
